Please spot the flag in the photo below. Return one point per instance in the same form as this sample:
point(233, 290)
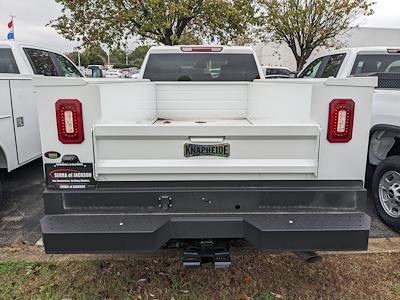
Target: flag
point(10, 35)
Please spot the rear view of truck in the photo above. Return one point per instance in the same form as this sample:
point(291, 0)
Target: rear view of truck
point(201, 151)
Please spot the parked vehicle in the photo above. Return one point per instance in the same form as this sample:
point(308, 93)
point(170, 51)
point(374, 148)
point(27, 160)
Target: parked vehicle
point(384, 146)
point(114, 73)
point(276, 72)
point(183, 155)
point(135, 74)
point(19, 128)
point(82, 69)
point(95, 71)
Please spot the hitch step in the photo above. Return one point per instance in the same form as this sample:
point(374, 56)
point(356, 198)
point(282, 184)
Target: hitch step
point(207, 254)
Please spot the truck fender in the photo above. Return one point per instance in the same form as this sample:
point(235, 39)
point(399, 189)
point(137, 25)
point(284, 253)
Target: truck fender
point(382, 140)
point(3, 159)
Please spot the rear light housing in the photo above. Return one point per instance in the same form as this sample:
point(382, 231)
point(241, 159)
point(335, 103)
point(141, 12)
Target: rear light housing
point(69, 121)
point(393, 50)
point(341, 118)
point(201, 49)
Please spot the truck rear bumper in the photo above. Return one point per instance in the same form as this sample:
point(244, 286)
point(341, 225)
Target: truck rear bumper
point(143, 233)
point(271, 215)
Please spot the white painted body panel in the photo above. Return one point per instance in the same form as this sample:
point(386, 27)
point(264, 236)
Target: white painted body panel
point(7, 138)
point(386, 103)
point(386, 108)
point(276, 128)
point(20, 144)
point(24, 105)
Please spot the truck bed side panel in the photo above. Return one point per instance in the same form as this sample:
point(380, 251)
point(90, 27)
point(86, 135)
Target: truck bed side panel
point(7, 138)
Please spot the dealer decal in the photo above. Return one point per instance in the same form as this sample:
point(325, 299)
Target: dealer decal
point(69, 176)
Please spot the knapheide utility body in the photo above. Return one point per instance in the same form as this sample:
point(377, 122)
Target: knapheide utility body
point(203, 148)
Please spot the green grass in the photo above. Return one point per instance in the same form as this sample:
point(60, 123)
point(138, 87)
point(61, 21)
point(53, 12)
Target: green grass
point(258, 277)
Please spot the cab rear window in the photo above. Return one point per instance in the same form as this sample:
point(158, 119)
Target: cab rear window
point(201, 67)
point(47, 63)
point(376, 63)
point(7, 62)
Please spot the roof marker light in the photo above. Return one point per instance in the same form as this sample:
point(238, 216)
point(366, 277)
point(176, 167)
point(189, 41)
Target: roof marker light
point(201, 49)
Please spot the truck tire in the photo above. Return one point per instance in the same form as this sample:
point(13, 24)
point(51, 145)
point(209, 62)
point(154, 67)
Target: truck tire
point(386, 191)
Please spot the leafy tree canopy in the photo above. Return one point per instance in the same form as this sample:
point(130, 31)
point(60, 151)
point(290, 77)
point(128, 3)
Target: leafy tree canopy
point(307, 24)
point(111, 22)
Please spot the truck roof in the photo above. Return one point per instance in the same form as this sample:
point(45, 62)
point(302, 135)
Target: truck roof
point(201, 48)
point(18, 44)
point(375, 49)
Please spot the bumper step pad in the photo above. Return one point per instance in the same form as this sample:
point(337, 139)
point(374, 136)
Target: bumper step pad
point(147, 233)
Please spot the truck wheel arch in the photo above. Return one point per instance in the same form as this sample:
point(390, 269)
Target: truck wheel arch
point(384, 142)
point(3, 159)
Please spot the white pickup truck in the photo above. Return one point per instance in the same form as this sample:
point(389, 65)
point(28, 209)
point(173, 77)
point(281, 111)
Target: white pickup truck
point(19, 127)
point(201, 151)
point(384, 146)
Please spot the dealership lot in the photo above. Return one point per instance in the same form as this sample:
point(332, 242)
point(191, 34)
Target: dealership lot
point(22, 208)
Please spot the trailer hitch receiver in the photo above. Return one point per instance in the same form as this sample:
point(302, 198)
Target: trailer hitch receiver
point(207, 254)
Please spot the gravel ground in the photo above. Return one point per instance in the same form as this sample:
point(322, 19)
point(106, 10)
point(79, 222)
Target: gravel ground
point(22, 209)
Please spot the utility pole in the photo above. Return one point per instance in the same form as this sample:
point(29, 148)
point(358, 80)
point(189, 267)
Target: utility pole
point(126, 54)
point(77, 49)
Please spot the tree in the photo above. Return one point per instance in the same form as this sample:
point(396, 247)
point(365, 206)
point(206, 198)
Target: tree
point(136, 57)
point(74, 57)
point(307, 24)
point(112, 22)
point(117, 56)
point(95, 55)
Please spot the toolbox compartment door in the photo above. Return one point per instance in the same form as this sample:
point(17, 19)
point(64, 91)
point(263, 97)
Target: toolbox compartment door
point(152, 152)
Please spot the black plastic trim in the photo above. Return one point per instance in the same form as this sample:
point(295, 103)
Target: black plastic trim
point(203, 197)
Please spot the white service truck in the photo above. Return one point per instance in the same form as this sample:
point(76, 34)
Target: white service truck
point(190, 154)
point(384, 146)
point(19, 127)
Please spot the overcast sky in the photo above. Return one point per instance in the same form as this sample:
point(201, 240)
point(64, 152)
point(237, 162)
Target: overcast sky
point(31, 17)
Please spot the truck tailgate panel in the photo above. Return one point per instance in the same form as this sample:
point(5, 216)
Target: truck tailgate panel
point(254, 149)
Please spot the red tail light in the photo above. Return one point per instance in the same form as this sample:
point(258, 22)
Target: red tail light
point(69, 121)
point(341, 117)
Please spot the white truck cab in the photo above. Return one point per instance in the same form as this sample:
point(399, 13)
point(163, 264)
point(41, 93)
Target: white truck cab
point(384, 146)
point(19, 127)
point(201, 150)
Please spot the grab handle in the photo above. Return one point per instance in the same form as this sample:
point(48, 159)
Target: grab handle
point(206, 139)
